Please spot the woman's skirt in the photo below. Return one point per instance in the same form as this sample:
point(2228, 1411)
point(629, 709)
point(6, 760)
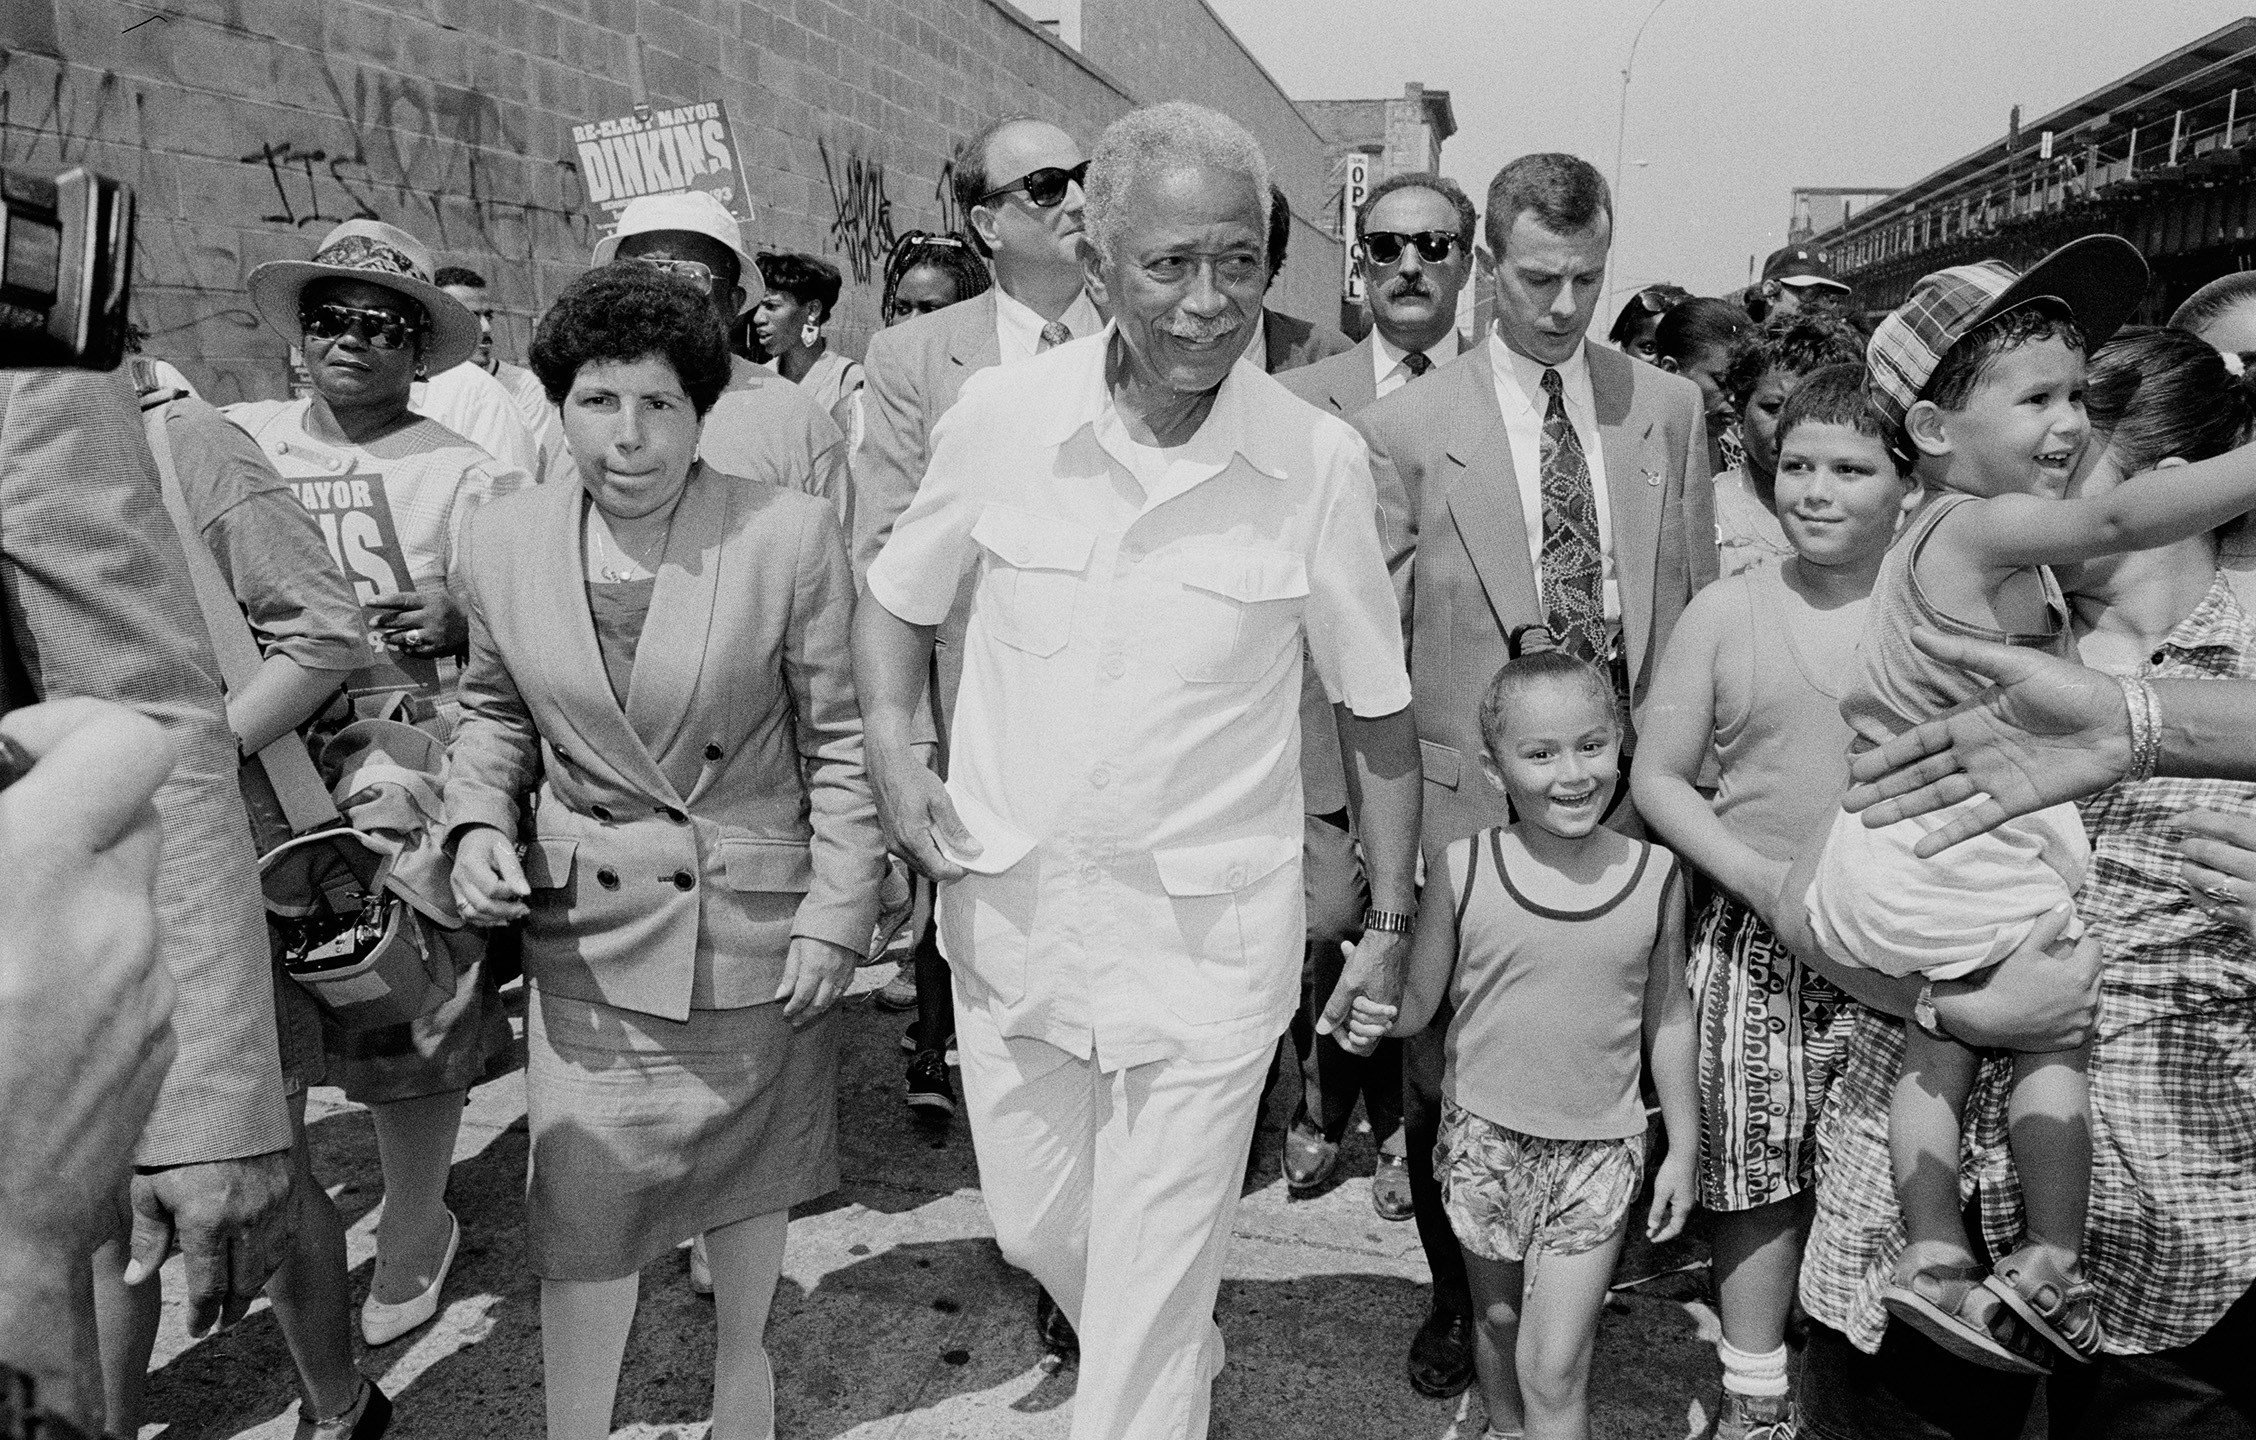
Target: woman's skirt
point(463, 1042)
point(646, 1131)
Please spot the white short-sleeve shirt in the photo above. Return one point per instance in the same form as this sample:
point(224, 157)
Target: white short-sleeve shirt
point(1126, 743)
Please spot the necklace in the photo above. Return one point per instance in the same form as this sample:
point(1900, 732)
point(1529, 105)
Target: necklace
point(626, 568)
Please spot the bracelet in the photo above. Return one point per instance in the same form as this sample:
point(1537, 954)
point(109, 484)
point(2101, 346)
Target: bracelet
point(2146, 727)
point(1923, 1014)
point(1392, 922)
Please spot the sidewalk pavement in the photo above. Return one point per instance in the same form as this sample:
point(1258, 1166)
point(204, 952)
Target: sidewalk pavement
point(897, 1319)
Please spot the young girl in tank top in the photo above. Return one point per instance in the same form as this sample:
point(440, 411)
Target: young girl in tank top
point(1753, 675)
point(1561, 945)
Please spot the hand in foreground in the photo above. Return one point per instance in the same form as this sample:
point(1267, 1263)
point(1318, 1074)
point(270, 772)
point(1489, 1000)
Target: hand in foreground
point(2218, 863)
point(1373, 974)
point(2047, 732)
point(815, 974)
point(488, 881)
point(420, 622)
point(1674, 1195)
point(2044, 996)
point(1367, 1024)
point(85, 1006)
point(918, 817)
point(232, 1220)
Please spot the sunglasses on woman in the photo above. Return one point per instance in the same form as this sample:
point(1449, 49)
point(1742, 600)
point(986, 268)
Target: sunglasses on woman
point(699, 276)
point(1044, 187)
point(381, 329)
point(1385, 246)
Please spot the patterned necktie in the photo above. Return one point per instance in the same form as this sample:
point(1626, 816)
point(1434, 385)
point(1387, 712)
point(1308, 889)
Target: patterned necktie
point(1053, 334)
point(1573, 570)
point(1417, 362)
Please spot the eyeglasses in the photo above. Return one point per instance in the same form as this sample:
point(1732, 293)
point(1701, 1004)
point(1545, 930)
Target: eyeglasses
point(1044, 187)
point(1384, 247)
point(698, 275)
point(1660, 299)
point(382, 329)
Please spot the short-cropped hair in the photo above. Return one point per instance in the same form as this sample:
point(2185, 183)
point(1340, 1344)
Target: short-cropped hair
point(1567, 194)
point(1468, 219)
point(1160, 139)
point(1797, 344)
point(971, 181)
point(1697, 325)
point(624, 313)
point(805, 278)
point(1838, 395)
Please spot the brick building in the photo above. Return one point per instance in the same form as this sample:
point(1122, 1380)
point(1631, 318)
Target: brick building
point(249, 127)
point(1365, 141)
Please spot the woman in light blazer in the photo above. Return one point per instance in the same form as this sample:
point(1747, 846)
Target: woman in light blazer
point(658, 664)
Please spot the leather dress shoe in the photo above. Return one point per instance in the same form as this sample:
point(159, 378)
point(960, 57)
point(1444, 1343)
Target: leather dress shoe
point(1310, 1159)
point(1390, 1188)
point(1441, 1354)
point(1054, 1329)
point(369, 1417)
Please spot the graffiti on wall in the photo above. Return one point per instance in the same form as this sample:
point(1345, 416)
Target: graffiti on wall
point(284, 163)
point(863, 229)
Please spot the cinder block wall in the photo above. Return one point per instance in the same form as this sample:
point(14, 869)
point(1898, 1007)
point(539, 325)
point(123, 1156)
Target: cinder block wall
point(249, 127)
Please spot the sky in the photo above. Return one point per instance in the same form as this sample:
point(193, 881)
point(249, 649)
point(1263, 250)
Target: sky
point(1732, 103)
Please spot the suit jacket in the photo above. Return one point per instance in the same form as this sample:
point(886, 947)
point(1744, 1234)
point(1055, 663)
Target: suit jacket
point(723, 809)
point(913, 373)
point(1457, 544)
point(1344, 383)
point(97, 600)
point(1293, 342)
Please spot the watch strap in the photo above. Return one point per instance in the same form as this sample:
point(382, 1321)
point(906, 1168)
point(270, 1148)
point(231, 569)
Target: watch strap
point(1392, 922)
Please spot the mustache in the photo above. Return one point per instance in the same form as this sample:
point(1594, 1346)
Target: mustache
point(1407, 286)
point(1200, 332)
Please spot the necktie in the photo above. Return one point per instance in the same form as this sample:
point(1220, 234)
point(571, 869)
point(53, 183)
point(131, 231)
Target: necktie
point(1054, 333)
point(1573, 570)
point(1417, 362)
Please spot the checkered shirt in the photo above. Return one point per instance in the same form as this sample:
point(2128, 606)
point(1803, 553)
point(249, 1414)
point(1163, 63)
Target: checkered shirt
point(2171, 1241)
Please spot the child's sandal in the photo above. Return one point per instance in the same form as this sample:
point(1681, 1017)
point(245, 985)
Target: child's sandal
point(2059, 1302)
point(1945, 1319)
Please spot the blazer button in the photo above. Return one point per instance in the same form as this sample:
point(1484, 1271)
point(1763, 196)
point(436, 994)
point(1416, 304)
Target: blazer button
point(608, 878)
point(713, 751)
point(601, 812)
point(683, 880)
point(679, 817)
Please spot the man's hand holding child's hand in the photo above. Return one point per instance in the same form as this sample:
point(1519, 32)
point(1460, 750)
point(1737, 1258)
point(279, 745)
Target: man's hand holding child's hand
point(1367, 1024)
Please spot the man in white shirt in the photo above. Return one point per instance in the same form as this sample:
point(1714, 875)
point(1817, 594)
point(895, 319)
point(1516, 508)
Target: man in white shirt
point(1414, 246)
point(1152, 528)
point(1538, 480)
point(546, 427)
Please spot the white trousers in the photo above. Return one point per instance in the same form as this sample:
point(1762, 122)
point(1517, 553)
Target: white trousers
point(1117, 1192)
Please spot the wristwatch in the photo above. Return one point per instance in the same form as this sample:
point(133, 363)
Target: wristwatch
point(1393, 922)
point(1923, 1014)
point(20, 1415)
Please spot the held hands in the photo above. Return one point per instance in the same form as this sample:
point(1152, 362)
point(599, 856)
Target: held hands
point(1369, 993)
point(2047, 732)
point(815, 974)
point(419, 622)
point(1674, 1195)
point(1368, 1022)
point(488, 881)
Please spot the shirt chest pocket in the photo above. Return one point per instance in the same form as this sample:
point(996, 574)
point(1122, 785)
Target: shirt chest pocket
point(1032, 577)
point(1232, 613)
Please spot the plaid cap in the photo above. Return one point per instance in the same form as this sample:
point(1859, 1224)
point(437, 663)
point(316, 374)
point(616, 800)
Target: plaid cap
point(2098, 279)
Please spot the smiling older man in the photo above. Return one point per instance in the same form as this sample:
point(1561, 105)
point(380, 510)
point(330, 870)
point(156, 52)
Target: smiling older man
point(1155, 526)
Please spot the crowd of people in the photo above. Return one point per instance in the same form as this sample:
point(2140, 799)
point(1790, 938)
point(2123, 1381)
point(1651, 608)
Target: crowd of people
point(1771, 763)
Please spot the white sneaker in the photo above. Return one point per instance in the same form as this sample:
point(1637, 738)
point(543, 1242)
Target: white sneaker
point(381, 1324)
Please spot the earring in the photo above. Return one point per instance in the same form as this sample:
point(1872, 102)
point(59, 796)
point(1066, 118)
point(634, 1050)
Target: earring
point(808, 334)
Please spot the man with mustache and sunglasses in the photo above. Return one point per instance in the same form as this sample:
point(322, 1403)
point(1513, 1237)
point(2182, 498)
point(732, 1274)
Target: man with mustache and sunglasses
point(1537, 480)
point(1147, 530)
point(1414, 246)
point(763, 427)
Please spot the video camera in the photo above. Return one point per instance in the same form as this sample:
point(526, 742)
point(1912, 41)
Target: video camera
point(66, 270)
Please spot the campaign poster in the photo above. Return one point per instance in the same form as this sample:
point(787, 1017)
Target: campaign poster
point(663, 152)
point(356, 519)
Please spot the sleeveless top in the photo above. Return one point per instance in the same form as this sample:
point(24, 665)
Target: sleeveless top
point(1779, 735)
point(1901, 687)
point(1550, 1004)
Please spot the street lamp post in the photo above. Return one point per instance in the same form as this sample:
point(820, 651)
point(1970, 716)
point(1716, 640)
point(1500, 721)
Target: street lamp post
point(1621, 132)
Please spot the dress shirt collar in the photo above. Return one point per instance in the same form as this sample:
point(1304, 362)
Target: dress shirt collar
point(1018, 326)
point(1517, 373)
point(1082, 401)
point(1386, 356)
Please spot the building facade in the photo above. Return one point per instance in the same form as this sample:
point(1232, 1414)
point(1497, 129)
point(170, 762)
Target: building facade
point(249, 127)
point(1365, 141)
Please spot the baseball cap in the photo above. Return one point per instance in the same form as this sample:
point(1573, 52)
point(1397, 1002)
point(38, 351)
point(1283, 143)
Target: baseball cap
point(1799, 265)
point(695, 211)
point(2100, 279)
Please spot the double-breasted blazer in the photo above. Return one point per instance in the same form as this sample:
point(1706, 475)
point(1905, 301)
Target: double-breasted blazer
point(1457, 545)
point(724, 808)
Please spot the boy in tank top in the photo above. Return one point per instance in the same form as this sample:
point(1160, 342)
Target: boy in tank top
point(1753, 674)
point(1561, 944)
